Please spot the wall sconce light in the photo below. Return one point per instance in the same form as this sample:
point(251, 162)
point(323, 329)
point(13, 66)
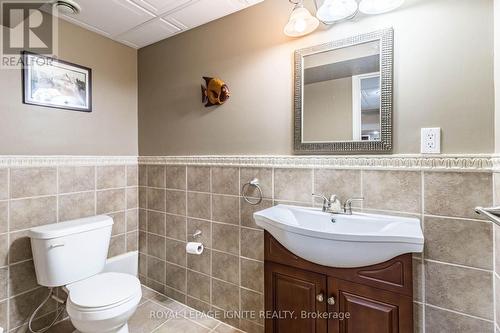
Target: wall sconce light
point(301, 21)
point(374, 7)
point(332, 11)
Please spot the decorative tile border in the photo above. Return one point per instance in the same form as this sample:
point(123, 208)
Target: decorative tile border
point(40, 161)
point(384, 162)
point(458, 162)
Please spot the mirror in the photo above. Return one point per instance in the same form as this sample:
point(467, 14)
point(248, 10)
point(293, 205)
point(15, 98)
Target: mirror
point(342, 87)
point(343, 95)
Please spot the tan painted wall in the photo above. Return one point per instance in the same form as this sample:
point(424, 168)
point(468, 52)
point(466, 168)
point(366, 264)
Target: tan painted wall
point(328, 110)
point(111, 129)
point(443, 77)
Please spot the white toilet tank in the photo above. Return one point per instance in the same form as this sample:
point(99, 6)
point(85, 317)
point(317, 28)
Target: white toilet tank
point(70, 251)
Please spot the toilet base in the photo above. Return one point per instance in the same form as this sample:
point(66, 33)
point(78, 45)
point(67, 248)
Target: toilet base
point(123, 329)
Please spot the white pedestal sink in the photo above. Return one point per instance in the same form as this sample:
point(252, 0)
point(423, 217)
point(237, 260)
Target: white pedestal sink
point(355, 240)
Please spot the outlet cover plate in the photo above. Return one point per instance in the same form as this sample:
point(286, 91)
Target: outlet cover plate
point(430, 140)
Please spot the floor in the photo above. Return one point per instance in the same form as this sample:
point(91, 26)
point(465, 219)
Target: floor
point(160, 314)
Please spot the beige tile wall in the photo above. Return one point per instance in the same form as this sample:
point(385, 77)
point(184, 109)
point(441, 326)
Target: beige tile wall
point(31, 197)
point(453, 278)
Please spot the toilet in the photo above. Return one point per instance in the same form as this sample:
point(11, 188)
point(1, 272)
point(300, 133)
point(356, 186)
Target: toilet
point(73, 255)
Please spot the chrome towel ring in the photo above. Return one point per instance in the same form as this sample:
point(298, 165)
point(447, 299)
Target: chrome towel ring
point(255, 183)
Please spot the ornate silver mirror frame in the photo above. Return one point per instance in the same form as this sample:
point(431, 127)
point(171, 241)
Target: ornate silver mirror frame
point(384, 145)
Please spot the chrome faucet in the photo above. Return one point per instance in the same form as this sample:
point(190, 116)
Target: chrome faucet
point(334, 206)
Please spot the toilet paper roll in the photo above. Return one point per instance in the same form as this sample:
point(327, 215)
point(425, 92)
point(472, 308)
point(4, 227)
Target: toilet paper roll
point(194, 248)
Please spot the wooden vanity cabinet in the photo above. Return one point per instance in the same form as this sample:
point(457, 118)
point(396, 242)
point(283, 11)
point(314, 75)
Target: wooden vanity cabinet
point(303, 297)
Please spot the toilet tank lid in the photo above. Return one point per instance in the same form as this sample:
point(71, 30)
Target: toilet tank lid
point(62, 229)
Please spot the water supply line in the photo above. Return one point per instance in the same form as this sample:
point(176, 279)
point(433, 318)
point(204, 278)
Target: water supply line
point(50, 296)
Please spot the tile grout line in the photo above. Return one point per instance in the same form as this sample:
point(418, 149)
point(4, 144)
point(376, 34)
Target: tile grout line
point(313, 190)
point(200, 273)
point(459, 313)
point(361, 191)
point(146, 167)
point(57, 191)
point(25, 292)
point(164, 178)
point(8, 252)
point(67, 193)
point(126, 208)
point(273, 199)
point(456, 218)
point(11, 330)
point(423, 266)
point(458, 265)
point(197, 218)
point(210, 181)
point(239, 246)
point(185, 306)
point(186, 225)
point(95, 190)
point(494, 229)
point(106, 213)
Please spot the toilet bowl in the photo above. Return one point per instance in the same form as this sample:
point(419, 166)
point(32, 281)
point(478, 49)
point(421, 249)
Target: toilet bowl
point(73, 255)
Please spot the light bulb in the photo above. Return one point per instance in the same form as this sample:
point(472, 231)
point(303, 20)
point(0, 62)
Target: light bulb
point(300, 25)
point(301, 22)
point(336, 10)
point(373, 7)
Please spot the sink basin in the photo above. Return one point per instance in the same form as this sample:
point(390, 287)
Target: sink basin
point(355, 240)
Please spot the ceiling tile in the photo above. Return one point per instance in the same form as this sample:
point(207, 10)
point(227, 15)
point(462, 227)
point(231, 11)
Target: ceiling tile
point(138, 23)
point(149, 33)
point(160, 7)
point(97, 14)
point(203, 11)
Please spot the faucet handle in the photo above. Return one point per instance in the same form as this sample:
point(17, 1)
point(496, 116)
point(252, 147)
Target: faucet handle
point(325, 199)
point(348, 204)
point(326, 202)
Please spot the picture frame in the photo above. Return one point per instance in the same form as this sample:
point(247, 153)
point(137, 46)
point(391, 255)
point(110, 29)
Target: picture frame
point(55, 83)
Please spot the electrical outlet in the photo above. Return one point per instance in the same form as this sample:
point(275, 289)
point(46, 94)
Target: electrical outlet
point(430, 139)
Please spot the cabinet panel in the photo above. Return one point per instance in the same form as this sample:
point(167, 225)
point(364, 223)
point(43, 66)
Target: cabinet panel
point(370, 309)
point(290, 293)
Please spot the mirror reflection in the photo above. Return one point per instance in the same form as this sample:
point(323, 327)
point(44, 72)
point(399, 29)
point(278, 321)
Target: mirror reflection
point(341, 94)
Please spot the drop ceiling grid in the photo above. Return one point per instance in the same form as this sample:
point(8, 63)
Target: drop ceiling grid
point(138, 23)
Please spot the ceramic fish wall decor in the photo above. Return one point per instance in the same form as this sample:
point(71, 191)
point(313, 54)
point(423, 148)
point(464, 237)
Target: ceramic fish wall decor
point(215, 92)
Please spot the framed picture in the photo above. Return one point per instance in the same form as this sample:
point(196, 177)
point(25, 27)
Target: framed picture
point(55, 83)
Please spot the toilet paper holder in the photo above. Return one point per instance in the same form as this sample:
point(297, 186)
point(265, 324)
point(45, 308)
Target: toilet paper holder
point(197, 234)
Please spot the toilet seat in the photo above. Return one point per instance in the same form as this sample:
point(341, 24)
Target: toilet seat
point(102, 292)
point(104, 302)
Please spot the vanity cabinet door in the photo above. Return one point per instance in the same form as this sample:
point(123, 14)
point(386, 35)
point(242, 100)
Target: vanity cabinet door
point(371, 310)
point(293, 296)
